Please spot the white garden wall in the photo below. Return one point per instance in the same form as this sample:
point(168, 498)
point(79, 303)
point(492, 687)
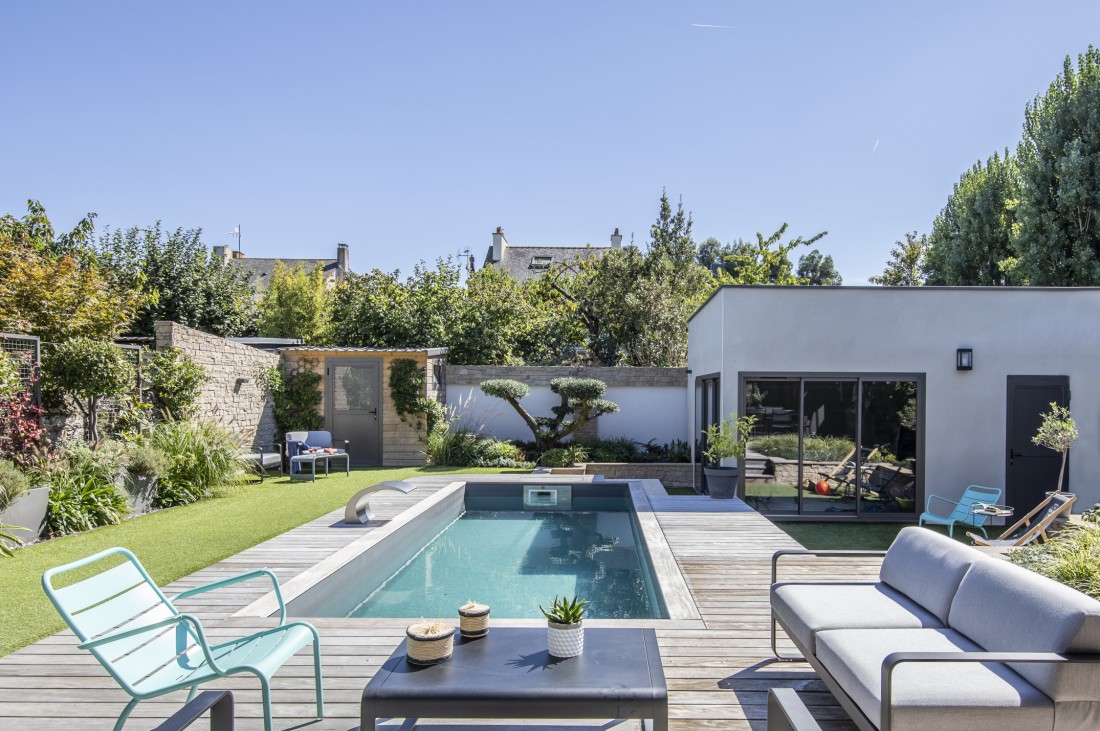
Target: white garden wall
point(652, 401)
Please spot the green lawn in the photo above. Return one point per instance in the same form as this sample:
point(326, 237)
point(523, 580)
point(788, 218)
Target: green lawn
point(174, 543)
point(852, 536)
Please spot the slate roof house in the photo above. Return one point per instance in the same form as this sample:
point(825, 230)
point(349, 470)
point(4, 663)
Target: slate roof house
point(262, 268)
point(529, 262)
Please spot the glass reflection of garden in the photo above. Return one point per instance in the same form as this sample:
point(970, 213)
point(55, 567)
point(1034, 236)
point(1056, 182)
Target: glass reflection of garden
point(825, 472)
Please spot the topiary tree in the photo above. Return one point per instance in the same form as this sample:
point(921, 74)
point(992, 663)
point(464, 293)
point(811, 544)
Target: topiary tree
point(177, 382)
point(87, 371)
point(581, 401)
point(1058, 431)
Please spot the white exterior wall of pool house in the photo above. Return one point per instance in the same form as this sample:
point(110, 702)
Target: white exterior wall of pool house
point(846, 331)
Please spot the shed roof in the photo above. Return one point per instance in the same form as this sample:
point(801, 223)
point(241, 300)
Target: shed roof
point(431, 352)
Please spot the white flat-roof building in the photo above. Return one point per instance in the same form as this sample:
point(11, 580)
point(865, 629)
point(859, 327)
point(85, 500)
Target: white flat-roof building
point(865, 405)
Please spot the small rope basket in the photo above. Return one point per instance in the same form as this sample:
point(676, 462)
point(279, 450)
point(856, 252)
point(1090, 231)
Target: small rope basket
point(429, 643)
point(474, 620)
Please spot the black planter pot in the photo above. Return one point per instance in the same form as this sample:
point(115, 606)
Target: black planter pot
point(722, 482)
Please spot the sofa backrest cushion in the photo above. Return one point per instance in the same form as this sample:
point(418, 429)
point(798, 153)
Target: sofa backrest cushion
point(1004, 607)
point(316, 439)
point(927, 567)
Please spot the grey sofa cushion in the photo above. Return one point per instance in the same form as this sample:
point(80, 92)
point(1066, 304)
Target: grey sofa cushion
point(928, 567)
point(1005, 607)
point(806, 609)
point(969, 696)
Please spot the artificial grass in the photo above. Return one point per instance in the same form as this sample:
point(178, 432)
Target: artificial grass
point(174, 543)
point(852, 536)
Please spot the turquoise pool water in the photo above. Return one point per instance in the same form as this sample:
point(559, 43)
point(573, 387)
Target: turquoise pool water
point(515, 559)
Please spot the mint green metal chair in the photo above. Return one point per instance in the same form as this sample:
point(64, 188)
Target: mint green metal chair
point(151, 649)
point(963, 510)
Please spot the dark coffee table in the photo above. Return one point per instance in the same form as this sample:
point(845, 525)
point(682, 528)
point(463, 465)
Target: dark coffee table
point(509, 674)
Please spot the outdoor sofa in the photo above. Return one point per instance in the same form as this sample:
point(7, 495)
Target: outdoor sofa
point(947, 638)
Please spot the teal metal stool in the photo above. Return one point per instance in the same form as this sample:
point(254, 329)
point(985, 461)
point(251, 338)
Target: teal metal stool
point(151, 649)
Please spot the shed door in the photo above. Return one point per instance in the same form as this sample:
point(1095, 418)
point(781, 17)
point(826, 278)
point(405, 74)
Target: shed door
point(352, 406)
point(1031, 471)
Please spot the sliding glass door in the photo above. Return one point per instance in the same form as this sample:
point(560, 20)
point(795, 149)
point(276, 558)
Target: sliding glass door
point(833, 446)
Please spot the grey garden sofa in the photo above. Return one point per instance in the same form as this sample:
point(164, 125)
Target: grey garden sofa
point(948, 638)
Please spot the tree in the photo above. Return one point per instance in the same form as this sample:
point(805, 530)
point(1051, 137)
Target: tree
point(974, 237)
point(1059, 158)
point(297, 304)
point(906, 267)
point(817, 270)
point(1058, 431)
point(185, 283)
point(378, 309)
point(88, 371)
point(670, 234)
point(581, 402)
point(54, 287)
point(768, 261)
point(176, 382)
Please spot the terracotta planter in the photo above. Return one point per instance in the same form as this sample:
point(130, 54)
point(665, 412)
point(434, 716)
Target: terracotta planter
point(722, 481)
point(29, 513)
point(565, 640)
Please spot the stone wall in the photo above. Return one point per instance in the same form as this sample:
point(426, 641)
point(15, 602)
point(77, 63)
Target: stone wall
point(671, 474)
point(472, 375)
point(232, 396)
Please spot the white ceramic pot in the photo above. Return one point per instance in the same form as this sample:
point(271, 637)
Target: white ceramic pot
point(565, 640)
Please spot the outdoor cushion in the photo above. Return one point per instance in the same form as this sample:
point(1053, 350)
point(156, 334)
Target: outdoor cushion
point(806, 609)
point(1006, 607)
point(927, 567)
point(971, 696)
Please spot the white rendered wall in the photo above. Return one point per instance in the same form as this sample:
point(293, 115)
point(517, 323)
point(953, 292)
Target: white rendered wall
point(652, 413)
point(1025, 331)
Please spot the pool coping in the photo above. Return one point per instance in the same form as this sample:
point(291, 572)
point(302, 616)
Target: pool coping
point(676, 595)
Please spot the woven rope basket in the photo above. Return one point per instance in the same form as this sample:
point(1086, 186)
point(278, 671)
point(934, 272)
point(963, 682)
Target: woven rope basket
point(429, 644)
point(474, 620)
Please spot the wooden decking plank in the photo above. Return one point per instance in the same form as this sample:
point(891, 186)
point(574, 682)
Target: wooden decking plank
point(718, 668)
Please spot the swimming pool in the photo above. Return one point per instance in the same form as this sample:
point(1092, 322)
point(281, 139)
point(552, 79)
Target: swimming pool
point(510, 545)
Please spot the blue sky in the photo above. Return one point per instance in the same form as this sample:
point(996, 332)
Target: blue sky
point(411, 130)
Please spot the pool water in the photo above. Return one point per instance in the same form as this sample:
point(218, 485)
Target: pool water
point(514, 560)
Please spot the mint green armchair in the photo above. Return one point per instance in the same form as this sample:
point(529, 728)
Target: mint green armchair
point(961, 511)
point(150, 648)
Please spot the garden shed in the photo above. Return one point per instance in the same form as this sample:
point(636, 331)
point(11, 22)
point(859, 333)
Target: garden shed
point(868, 400)
point(360, 403)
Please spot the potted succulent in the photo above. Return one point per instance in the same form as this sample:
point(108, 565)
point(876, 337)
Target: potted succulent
point(726, 440)
point(565, 626)
point(22, 507)
point(144, 466)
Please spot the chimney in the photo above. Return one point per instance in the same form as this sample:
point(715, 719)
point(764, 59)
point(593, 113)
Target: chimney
point(499, 244)
point(473, 265)
point(342, 260)
point(223, 252)
point(616, 240)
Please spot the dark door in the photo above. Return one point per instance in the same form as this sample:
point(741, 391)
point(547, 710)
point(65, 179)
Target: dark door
point(352, 406)
point(1031, 471)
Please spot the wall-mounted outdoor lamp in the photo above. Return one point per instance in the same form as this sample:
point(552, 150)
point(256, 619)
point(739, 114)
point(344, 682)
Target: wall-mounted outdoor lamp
point(243, 381)
point(964, 359)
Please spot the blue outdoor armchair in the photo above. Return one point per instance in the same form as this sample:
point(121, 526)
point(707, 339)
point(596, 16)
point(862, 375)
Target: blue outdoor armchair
point(963, 510)
point(151, 649)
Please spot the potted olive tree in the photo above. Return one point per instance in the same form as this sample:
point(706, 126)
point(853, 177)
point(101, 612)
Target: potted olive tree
point(144, 466)
point(726, 440)
point(1058, 432)
point(565, 626)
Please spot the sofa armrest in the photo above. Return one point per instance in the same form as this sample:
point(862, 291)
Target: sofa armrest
point(825, 554)
point(894, 659)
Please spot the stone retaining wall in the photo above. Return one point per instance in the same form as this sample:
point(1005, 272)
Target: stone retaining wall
point(232, 396)
point(671, 474)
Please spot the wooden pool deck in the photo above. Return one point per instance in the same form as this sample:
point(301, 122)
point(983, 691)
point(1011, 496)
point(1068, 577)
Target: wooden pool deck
point(718, 668)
